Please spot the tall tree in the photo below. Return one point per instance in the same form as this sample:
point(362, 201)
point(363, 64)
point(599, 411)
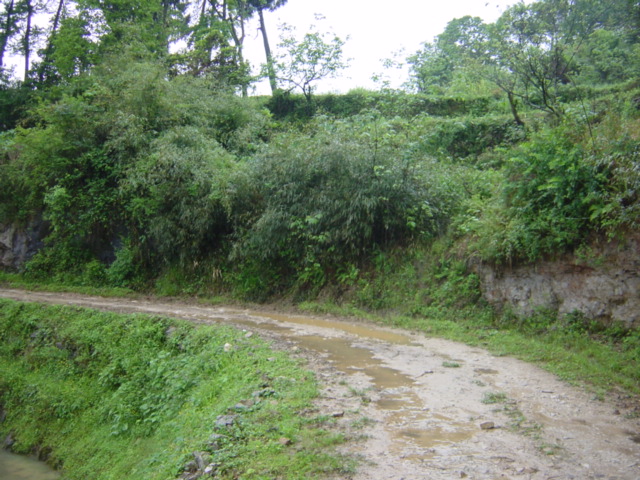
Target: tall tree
point(151, 23)
point(460, 48)
point(46, 60)
point(8, 28)
point(217, 41)
point(27, 11)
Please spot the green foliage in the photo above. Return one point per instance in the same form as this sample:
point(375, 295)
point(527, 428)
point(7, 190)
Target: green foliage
point(10, 190)
point(14, 102)
point(462, 137)
point(616, 150)
point(338, 195)
point(73, 52)
point(285, 105)
point(176, 192)
point(607, 57)
point(133, 157)
point(546, 202)
point(125, 270)
point(419, 281)
point(130, 397)
point(301, 63)
point(550, 187)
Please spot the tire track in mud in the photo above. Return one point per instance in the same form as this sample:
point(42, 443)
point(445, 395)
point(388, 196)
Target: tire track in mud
point(425, 408)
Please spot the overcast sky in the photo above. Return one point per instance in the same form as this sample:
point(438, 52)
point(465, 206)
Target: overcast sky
point(376, 30)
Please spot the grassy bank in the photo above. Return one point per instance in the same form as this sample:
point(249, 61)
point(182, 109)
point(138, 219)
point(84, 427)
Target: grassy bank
point(108, 396)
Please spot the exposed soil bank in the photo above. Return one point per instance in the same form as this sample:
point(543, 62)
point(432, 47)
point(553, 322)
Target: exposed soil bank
point(430, 408)
point(602, 284)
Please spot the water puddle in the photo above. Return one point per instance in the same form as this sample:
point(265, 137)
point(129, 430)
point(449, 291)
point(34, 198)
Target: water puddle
point(486, 371)
point(348, 358)
point(415, 426)
point(362, 331)
point(411, 424)
point(19, 467)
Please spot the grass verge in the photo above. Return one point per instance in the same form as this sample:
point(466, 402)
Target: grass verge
point(15, 280)
point(109, 396)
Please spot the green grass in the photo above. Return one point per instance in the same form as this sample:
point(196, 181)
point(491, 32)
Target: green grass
point(490, 398)
point(451, 364)
point(132, 397)
point(14, 280)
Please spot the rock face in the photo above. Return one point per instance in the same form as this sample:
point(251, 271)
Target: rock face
point(602, 284)
point(19, 244)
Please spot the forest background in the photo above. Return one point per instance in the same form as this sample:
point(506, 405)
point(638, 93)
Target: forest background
point(147, 168)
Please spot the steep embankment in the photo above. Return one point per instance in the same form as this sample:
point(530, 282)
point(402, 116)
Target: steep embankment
point(429, 408)
point(600, 282)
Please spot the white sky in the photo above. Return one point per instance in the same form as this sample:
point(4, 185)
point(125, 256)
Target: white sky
point(376, 29)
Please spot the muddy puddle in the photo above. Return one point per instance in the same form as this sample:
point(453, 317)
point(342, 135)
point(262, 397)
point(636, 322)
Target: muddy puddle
point(409, 421)
point(18, 467)
point(408, 418)
point(363, 331)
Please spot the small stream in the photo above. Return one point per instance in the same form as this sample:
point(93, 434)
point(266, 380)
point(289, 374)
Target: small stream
point(19, 467)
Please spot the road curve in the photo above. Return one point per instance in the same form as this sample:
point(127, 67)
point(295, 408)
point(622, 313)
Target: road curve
point(425, 408)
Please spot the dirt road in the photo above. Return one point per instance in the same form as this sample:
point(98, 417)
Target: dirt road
point(425, 408)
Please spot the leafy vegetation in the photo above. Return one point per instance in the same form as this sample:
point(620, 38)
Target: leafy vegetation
point(147, 168)
point(146, 393)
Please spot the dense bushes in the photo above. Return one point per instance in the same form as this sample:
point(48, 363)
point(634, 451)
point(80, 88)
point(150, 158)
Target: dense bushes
point(558, 189)
point(151, 179)
point(469, 137)
point(329, 197)
point(174, 195)
point(396, 103)
point(127, 158)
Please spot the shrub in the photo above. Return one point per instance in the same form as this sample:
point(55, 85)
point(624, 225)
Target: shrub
point(545, 203)
point(336, 193)
point(468, 137)
point(175, 195)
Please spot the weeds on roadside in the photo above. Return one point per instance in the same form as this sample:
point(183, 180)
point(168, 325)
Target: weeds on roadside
point(147, 392)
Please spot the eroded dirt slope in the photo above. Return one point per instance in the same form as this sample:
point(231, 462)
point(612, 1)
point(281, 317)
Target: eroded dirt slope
point(424, 408)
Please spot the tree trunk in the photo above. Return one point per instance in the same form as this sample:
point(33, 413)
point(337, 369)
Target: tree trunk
point(27, 40)
point(238, 40)
point(47, 52)
point(271, 72)
point(4, 39)
point(514, 110)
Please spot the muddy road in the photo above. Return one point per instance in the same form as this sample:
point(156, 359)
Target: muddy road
point(425, 408)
